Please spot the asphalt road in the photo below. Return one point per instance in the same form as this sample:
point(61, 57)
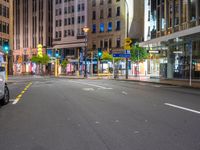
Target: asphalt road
point(63, 114)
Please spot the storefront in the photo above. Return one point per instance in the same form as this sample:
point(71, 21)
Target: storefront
point(179, 56)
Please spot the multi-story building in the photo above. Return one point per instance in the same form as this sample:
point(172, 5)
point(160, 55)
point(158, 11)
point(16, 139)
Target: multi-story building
point(32, 26)
point(172, 29)
point(6, 29)
point(108, 23)
point(69, 19)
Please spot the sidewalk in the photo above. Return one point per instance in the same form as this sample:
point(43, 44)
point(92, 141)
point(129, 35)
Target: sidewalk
point(177, 82)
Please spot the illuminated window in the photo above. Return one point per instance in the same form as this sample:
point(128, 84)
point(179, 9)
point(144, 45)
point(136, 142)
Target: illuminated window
point(94, 28)
point(101, 27)
point(109, 26)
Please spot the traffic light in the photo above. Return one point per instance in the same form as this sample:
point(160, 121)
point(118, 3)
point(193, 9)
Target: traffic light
point(6, 47)
point(57, 53)
point(99, 52)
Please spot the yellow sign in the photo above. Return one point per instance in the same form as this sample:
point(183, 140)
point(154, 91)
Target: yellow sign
point(40, 53)
point(127, 44)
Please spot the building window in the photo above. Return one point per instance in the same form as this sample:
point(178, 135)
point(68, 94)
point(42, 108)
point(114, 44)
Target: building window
point(72, 9)
point(79, 7)
point(109, 1)
point(72, 20)
point(83, 19)
point(93, 3)
point(105, 44)
point(65, 10)
point(118, 42)
point(101, 44)
point(118, 26)
point(109, 26)
point(101, 27)
point(94, 15)
point(101, 2)
point(109, 12)
point(65, 33)
point(65, 21)
point(118, 11)
point(79, 19)
point(94, 28)
point(110, 43)
point(83, 7)
point(101, 14)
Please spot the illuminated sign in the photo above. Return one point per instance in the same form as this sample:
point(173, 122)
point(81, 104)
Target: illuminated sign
point(153, 51)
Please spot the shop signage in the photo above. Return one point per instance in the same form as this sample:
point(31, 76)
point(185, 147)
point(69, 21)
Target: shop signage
point(153, 51)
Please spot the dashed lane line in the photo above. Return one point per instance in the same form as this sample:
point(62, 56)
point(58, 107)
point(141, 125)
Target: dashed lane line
point(17, 99)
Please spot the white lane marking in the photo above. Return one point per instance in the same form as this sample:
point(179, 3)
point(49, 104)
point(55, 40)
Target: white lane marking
point(157, 86)
point(12, 100)
point(16, 101)
point(99, 86)
point(125, 93)
point(183, 108)
point(88, 89)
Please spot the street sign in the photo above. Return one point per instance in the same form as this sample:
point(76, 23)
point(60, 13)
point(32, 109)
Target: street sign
point(122, 55)
point(39, 48)
point(127, 44)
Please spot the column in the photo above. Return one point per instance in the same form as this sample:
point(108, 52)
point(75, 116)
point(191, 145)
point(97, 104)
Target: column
point(180, 14)
point(188, 14)
point(173, 14)
point(197, 11)
point(166, 15)
point(169, 64)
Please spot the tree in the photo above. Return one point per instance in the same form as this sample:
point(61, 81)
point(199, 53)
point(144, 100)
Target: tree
point(64, 63)
point(137, 50)
point(44, 60)
point(107, 56)
point(40, 61)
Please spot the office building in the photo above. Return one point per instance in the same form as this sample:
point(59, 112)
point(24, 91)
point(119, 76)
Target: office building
point(32, 26)
point(172, 32)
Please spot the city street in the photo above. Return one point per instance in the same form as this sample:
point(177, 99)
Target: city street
point(65, 114)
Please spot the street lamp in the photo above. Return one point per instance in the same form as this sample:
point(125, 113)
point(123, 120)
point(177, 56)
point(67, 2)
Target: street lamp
point(127, 17)
point(86, 30)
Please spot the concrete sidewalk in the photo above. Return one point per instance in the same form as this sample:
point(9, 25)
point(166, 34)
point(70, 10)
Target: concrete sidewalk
point(177, 82)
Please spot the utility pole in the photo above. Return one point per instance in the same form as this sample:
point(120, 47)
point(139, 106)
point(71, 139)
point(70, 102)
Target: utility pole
point(78, 62)
point(91, 63)
point(127, 17)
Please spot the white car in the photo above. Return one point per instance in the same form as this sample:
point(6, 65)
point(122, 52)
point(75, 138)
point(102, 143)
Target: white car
point(4, 91)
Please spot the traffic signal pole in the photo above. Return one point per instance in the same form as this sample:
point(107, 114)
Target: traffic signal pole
point(127, 36)
point(6, 67)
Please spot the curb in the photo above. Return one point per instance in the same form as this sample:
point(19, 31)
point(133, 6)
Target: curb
point(151, 82)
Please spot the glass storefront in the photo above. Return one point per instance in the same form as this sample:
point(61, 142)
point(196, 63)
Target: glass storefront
point(174, 60)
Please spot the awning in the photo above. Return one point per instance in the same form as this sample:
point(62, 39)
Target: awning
point(71, 45)
point(179, 34)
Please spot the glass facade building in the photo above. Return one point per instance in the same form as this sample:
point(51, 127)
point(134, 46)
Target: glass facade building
point(173, 29)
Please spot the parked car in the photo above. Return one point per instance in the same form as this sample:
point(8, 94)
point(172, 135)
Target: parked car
point(4, 91)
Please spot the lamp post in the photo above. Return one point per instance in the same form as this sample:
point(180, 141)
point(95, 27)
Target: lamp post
point(127, 30)
point(86, 30)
